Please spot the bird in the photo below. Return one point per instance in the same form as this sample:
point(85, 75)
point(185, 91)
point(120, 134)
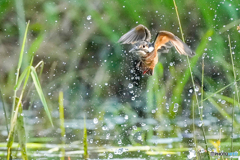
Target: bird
point(147, 51)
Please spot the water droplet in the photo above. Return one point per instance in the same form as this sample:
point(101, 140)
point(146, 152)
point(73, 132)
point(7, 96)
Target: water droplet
point(120, 141)
point(139, 138)
point(130, 85)
point(120, 150)
point(168, 155)
point(110, 155)
point(89, 17)
point(126, 117)
point(104, 128)
point(167, 106)
point(202, 150)
point(209, 38)
point(133, 98)
point(196, 89)
point(134, 127)
point(175, 108)
point(223, 101)
point(106, 84)
point(95, 120)
point(91, 140)
point(107, 136)
point(192, 154)
point(200, 123)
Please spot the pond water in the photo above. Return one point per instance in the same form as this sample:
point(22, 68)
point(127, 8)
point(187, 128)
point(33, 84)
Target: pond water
point(122, 137)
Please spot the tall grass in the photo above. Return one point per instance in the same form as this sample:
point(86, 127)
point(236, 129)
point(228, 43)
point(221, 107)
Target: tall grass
point(196, 96)
point(17, 119)
point(61, 117)
point(236, 89)
point(85, 142)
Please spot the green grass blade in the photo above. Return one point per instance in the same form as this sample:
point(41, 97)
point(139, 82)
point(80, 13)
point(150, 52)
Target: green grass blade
point(189, 64)
point(201, 110)
point(232, 125)
point(21, 133)
point(181, 83)
point(19, 65)
point(223, 112)
point(20, 80)
point(40, 93)
point(15, 116)
point(19, 5)
point(61, 116)
point(234, 72)
point(227, 99)
point(213, 94)
point(229, 26)
point(150, 93)
point(236, 88)
point(23, 47)
point(10, 139)
point(193, 125)
point(36, 44)
point(41, 64)
point(85, 144)
point(4, 110)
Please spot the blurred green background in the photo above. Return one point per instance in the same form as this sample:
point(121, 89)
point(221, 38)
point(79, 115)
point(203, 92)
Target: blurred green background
point(77, 40)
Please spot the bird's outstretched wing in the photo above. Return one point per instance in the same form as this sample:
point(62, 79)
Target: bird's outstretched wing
point(139, 33)
point(164, 37)
point(165, 48)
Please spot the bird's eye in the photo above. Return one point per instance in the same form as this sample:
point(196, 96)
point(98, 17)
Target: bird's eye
point(143, 46)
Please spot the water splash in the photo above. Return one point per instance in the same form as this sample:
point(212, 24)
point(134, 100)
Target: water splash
point(120, 151)
point(192, 154)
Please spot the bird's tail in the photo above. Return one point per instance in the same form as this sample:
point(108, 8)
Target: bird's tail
point(144, 69)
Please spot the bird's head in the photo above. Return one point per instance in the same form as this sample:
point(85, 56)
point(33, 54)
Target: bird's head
point(142, 48)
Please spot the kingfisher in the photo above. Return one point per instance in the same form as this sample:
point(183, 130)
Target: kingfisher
point(147, 51)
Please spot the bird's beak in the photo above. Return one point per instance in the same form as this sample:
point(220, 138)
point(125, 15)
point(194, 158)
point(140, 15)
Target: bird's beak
point(134, 48)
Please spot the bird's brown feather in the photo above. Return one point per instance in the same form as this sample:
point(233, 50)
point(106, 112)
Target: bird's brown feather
point(164, 37)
